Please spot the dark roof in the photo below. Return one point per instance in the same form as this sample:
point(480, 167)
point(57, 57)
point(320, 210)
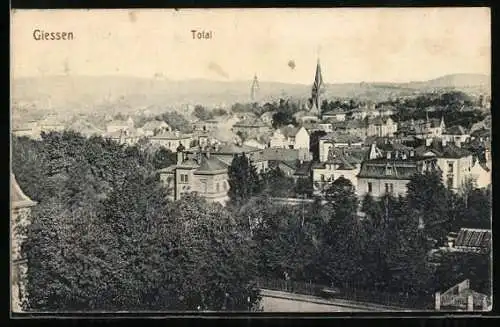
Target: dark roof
point(231, 148)
point(342, 138)
point(474, 238)
point(210, 165)
point(356, 124)
point(378, 121)
point(482, 132)
point(344, 157)
point(280, 154)
point(304, 169)
point(450, 150)
point(456, 130)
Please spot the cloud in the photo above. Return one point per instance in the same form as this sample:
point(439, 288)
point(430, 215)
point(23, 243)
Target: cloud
point(214, 67)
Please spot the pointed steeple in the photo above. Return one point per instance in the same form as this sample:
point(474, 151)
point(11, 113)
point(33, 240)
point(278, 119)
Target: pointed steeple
point(316, 89)
point(254, 89)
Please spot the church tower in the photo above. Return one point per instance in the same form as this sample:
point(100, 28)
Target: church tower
point(254, 91)
point(316, 91)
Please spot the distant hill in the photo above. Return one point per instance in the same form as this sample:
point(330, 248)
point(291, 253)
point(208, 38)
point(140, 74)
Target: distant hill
point(113, 94)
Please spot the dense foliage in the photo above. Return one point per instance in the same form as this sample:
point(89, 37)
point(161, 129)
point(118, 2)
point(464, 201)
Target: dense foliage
point(104, 236)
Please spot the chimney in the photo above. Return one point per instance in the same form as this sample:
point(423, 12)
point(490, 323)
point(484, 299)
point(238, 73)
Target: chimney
point(180, 157)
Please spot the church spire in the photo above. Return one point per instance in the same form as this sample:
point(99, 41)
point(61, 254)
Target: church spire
point(254, 89)
point(317, 88)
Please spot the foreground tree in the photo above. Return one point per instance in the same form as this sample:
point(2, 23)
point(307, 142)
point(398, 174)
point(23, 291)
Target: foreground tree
point(244, 181)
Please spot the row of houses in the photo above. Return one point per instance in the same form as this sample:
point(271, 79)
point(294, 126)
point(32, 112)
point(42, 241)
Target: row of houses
point(382, 167)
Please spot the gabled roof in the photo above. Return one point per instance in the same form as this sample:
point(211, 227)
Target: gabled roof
point(449, 150)
point(167, 135)
point(473, 238)
point(231, 148)
point(210, 165)
point(280, 154)
point(17, 197)
point(342, 138)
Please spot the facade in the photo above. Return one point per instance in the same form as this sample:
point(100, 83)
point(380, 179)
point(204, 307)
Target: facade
point(152, 128)
point(456, 134)
point(251, 128)
point(341, 162)
point(381, 127)
point(390, 170)
point(337, 115)
point(455, 162)
point(226, 152)
point(172, 140)
point(203, 174)
point(337, 140)
point(290, 137)
point(206, 126)
point(21, 207)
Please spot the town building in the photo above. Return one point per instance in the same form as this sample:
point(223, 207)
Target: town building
point(480, 174)
point(456, 134)
point(388, 171)
point(225, 152)
point(381, 126)
point(290, 137)
point(206, 126)
point(340, 162)
point(128, 137)
point(471, 240)
point(21, 206)
point(172, 140)
point(120, 125)
point(455, 162)
point(255, 143)
point(205, 175)
point(337, 115)
point(155, 127)
point(337, 140)
point(314, 127)
point(250, 128)
point(267, 117)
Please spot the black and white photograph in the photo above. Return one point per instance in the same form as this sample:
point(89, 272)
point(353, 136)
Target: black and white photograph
point(250, 160)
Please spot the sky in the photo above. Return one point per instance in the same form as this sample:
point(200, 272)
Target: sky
point(353, 44)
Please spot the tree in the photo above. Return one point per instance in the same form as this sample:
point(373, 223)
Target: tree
point(202, 113)
point(176, 121)
point(314, 143)
point(163, 158)
point(244, 181)
point(304, 187)
point(276, 184)
point(428, 197)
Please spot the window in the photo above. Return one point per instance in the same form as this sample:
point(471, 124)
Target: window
point(322, 177)
point(370, 187)
point(391, 188)
point(203, 186)
point(389, 170)
point(184, 178)
point(450, 167)
point(449, 182)
point(386, 188)
point(290, 147)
